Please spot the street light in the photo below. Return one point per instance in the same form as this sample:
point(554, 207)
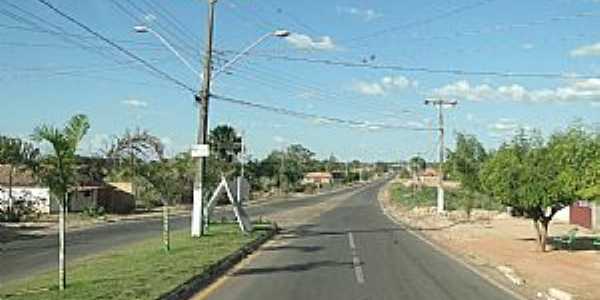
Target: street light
point(277, 33)
point(146, 29)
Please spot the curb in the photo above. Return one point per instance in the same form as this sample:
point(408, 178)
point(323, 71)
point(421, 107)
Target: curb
point(187, 289)
point(456, 258)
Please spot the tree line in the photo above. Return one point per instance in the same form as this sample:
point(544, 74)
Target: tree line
point(137, 156)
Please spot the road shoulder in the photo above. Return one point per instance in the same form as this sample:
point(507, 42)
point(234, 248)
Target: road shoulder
point(486, 272)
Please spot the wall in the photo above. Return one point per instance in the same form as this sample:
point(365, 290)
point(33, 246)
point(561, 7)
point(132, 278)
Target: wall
point(38, 196)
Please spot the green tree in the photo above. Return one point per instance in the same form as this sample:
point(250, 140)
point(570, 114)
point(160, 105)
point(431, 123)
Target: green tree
point(225, 143)
point(128, 154)
point(19, 156)
point(539, 179)
point(163, 175)
point(464, 164)
point(58, 170)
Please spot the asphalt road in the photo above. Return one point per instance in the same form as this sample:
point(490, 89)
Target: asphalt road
point(22, 258)
point(351, 252)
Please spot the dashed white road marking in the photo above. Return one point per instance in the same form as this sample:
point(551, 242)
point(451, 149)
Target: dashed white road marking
point(358, 271)
point(351, 241)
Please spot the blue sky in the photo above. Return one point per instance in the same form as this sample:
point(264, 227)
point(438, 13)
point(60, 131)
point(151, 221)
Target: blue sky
point(45, 78)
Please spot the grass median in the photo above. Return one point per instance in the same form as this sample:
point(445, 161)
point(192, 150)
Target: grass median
point(138, 271)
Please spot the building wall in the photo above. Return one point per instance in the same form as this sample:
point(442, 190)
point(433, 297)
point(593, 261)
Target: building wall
point(38, 196)
point(81, 200)
point(581, 213)
point(596, 215)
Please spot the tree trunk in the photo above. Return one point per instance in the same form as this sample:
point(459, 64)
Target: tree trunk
point(544, 236)
point(10, 189)
point(166, 233)
point(62, 272)
point(538, 233)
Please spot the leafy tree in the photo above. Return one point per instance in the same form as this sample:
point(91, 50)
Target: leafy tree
point(58, 170)
point(540, 179)
point(417, 164)
point(464, 164)
point(163, 176)
point(18, 155)
point(130, 151)
point(225, 143)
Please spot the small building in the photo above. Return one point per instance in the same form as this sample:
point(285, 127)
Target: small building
point(583, 213)
point(318, 178)
point(114, 197)
point(429, 172)
point(25, 190)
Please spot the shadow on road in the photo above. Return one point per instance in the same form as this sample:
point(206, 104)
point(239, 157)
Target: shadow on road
point(11, 234)
point(293, 267)
point(298, 248)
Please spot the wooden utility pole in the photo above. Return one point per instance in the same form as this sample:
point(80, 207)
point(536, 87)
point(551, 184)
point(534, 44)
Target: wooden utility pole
point(440, 103)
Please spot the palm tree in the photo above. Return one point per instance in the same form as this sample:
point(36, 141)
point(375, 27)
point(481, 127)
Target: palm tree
point(58, 171)
point(18, 155)
point(225, 143)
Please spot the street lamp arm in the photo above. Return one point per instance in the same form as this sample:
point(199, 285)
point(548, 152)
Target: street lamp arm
point(241, 54)
point(172, 49)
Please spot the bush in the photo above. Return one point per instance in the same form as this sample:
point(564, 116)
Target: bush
point(94, 212)
point(22, 211)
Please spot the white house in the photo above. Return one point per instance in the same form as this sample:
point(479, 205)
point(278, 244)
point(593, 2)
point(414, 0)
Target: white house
point(24, 188)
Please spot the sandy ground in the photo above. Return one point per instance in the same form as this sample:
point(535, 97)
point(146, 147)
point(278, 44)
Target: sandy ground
point(492, 239)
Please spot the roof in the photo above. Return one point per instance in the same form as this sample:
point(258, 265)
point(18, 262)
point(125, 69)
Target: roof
point(20, 178)
point(318, 175)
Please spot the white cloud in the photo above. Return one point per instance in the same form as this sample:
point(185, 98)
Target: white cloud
point(575, 90)
point(303, 41)
point(279, 139)
point(369, 89)
point(504, 125)
point(588, 50)
point(366, 14)
point(384, 85)
point(134, 103)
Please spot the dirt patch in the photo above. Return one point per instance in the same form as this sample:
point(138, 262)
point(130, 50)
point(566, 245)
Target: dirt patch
point(495, 239)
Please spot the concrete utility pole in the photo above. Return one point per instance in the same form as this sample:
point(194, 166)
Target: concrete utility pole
point(440, 104)
point(202, 98)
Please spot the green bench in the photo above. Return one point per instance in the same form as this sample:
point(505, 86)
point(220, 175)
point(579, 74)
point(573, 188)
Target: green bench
point(567, 240)
point(596, 243)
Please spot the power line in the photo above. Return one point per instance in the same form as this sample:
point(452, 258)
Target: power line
point(460, 72)
point(278, 110)
point(416, 23)
point(117, 46)
point(310, 116)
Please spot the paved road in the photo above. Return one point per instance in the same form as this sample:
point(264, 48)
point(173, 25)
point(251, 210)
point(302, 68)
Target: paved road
point(352, 252)
point(23, 258)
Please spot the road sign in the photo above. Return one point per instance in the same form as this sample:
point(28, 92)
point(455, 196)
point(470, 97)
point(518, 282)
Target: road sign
point(199, 150)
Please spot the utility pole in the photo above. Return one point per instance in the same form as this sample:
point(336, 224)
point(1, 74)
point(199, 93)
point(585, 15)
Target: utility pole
point(202, 98)
point(281, 170)
point(440, 104)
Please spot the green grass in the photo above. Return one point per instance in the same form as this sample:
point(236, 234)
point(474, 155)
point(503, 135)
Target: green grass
point(139, 271)
point(455, 198)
